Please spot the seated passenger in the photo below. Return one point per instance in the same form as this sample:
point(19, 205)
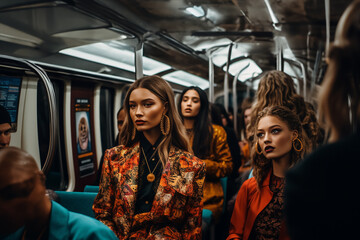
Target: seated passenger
point(151, 186)
point(27, 213)
point(278, 146)
point(5, 128)
point(208, 141)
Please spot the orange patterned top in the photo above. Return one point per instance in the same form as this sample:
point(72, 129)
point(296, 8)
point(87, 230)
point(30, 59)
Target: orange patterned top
point(176, 211)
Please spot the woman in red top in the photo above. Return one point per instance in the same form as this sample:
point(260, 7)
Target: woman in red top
point(278, 145)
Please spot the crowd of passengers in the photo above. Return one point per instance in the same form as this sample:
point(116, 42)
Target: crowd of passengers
point(168, 161)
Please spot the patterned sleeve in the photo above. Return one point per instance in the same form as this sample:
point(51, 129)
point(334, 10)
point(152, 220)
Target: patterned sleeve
point(221, 166)
point(194, 206)
point(104, 200)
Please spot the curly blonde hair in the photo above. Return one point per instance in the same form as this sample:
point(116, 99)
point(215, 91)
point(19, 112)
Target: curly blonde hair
point(261, 164)
point(277, 88)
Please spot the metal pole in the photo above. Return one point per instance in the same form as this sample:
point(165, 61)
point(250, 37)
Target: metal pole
point(211, 78)
point(139, 60)
point(279, 56)
point(53, 121)
point(303, 73)
point(226, 80)
point(234, 95)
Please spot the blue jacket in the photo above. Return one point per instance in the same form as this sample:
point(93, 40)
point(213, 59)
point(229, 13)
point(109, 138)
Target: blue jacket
point(69, 225)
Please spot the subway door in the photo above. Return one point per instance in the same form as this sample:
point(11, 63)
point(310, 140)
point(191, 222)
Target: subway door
point(83, 168)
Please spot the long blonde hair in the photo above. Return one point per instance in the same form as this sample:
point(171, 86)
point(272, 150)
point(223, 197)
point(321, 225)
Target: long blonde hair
point(339, 98)
point(177, 134)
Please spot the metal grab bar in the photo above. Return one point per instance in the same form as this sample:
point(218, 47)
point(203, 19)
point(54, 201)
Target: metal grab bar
point(303, 73)
point(234, 95)
point(226, 79)
point(52, 105)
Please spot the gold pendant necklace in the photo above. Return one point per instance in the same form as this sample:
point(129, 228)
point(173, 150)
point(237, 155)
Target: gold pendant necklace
point(150, 177)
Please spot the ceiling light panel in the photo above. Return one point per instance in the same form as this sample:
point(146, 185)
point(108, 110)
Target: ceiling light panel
point(115, 55)
point(186, 79)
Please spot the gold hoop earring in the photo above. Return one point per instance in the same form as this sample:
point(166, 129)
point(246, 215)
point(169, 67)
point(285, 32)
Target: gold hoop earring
point(301, 144)
point(165, 120)
point(133, 133)
point(257, 149)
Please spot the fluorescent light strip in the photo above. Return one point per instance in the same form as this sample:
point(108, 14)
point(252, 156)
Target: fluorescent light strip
point(179, 77)
point(252, 71)
point(97, 59)
point(104, 54)
point(197, 11)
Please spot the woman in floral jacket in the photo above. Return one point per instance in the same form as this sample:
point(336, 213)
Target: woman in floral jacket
point(151, 186)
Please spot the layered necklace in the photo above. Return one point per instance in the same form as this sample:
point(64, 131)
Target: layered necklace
point(150, 177)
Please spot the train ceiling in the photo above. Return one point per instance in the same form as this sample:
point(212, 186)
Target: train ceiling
point(179, 33)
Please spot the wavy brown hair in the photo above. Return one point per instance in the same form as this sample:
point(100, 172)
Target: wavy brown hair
point(177, 135)
point(339, 99)
point(261, 164)
point(277, 88)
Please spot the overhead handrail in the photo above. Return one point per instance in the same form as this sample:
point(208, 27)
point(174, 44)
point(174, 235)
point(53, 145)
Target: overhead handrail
point(234, 95)
point(52, 105)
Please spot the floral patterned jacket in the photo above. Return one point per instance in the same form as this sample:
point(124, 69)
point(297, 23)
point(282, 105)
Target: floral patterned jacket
point(176, 211)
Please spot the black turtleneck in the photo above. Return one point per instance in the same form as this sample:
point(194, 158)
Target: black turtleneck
point(147, 190)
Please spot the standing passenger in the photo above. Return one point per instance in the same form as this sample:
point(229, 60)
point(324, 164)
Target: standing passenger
point(277, 88)
point(321, 192)
point(5, 128)
point(151, 186)
point(208, 142)
point(278, 146)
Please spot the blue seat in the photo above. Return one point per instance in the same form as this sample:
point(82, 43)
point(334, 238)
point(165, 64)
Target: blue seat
point(223, 182)
point(79, 202)
point(207, 216)
point(89, 188)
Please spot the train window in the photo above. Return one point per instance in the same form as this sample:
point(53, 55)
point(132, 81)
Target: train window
point(57, 177)
point(107, 117)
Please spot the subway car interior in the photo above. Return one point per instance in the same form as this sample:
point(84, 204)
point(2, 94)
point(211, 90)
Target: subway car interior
point(64, 60)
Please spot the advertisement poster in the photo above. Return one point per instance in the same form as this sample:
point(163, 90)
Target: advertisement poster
point(83, 137)
point(9, 96)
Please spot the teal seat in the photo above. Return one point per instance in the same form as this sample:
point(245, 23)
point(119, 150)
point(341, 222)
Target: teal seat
point(89, 188)
point(79, 202)
point(223, 182)
point(207, 216)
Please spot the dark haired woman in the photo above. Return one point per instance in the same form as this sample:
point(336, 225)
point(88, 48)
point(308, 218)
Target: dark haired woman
point(151, 186)
point(208, 143)
point(278, 146)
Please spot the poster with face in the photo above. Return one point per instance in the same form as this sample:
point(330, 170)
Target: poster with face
point(83, 132)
